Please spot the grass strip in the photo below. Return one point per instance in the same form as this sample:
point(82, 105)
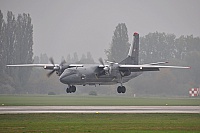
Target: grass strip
point(100, 123)
point(66, 100)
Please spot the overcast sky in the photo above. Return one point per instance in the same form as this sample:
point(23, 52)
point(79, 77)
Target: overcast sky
point(62, 27)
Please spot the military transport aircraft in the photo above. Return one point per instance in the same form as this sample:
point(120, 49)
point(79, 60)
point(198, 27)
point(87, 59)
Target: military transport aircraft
point(101, 74)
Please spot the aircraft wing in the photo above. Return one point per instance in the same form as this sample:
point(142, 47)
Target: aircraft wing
point(45, 66)
point(31, 65)
point(139, 68)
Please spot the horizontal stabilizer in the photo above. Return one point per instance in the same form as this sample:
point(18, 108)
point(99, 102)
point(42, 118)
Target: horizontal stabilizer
point(157, 63)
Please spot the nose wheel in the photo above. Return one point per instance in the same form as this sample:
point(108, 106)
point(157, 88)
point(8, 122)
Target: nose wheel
point(121, 89)
point(71, 89)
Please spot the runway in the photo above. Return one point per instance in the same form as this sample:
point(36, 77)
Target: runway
point(98, 109)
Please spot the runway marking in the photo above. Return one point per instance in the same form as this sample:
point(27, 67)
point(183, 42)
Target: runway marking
point(99, 109)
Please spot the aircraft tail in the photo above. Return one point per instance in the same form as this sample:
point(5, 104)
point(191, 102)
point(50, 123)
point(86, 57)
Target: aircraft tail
point(133, 53)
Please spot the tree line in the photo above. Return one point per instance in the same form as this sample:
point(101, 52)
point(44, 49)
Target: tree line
point(16, 41)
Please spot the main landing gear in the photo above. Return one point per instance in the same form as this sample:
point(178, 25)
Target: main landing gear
point(121, 89)
point(71, 89)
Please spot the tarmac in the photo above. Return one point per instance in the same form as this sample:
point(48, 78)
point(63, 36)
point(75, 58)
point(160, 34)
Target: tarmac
point(98, 109)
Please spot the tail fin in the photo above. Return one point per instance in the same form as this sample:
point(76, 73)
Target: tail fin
point(133, 53)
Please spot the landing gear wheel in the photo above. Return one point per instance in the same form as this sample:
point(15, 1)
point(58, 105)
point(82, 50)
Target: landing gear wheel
point(121, 89)
point(71, 89)
point(67, 90)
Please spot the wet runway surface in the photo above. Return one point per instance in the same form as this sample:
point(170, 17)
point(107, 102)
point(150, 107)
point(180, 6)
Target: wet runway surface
point(98, 109)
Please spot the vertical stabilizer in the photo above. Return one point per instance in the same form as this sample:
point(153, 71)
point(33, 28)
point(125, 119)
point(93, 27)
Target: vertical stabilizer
point(133, 53)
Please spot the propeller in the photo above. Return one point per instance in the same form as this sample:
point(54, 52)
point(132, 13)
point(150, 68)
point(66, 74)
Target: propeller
point(50, 73)
point(106, 69)
point(57, 68)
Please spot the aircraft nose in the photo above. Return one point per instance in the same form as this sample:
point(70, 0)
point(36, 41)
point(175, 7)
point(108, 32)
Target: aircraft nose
point(63, 76)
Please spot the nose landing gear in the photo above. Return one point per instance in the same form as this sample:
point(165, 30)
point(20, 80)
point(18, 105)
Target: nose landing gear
point(71, 89)
point(121, 89)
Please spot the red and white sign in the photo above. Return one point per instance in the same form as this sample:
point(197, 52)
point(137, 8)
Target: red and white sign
point(194, 92)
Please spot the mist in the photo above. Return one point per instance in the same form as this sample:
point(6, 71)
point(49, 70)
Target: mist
point(63, 27)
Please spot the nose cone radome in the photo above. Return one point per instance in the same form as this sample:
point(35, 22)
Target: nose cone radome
point(63, 76)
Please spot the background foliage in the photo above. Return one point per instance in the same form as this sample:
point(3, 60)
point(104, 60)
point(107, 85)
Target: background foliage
point(16, 41)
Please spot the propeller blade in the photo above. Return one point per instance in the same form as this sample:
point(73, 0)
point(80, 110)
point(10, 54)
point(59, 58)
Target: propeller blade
point(105, 69)
point(51, 60)
point(50, 73)
point(101, 61)
point(63, 62)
